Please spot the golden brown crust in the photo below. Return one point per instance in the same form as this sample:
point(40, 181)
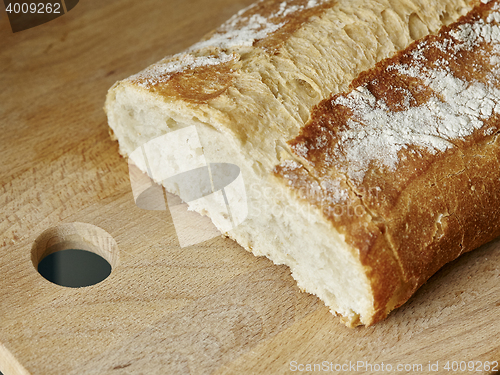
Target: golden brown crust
point(291, 21)
point(197, 85)
point(437, 195)
point(198, 76)
point(194, 79)
point(338, 202)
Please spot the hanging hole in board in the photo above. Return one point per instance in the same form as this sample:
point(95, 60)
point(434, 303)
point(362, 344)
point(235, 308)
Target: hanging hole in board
point(75, 254)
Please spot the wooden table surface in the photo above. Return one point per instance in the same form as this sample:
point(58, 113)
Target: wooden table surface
point(210, 308)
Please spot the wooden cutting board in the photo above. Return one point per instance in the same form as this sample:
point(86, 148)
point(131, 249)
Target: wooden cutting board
point(203, 309)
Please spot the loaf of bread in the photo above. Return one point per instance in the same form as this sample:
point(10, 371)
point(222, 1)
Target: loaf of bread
point(366, 133)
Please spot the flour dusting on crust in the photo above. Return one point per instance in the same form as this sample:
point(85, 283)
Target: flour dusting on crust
point(164, 69)
point(375, 131)
point(245, 28)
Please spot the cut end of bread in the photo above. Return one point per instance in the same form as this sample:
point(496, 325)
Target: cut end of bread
point(277, 226)
point(248, 101)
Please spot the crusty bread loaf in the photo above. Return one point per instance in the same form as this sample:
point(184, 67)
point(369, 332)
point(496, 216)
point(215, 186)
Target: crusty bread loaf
point(360, 201)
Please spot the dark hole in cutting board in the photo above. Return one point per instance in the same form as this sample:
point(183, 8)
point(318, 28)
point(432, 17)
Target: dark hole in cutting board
point(74, 268)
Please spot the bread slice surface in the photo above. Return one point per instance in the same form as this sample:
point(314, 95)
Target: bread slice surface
point(250, 88)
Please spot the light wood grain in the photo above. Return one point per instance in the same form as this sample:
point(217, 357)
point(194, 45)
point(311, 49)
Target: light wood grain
point(207, 308)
